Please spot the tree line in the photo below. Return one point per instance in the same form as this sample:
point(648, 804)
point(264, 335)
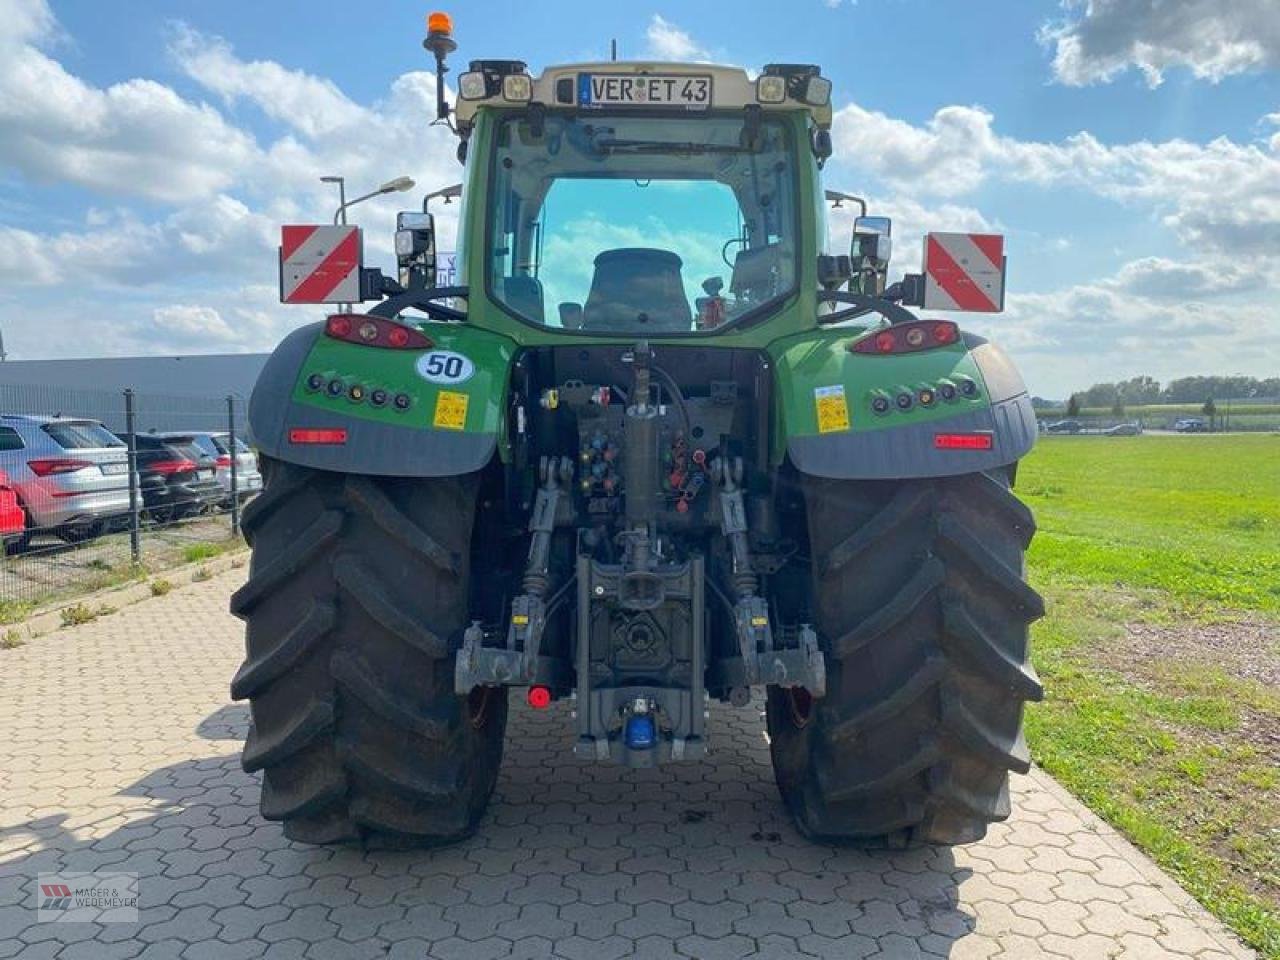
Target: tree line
point(1138, 391)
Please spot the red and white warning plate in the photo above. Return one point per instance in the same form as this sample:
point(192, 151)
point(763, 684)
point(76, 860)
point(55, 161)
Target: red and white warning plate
point(320, 264)
point(964, 271)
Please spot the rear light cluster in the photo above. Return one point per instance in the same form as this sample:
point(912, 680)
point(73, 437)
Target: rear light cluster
point(49, 468)
point(924, 395)
point(908, 338)
point(375, 332)
point(168, 468)
point(223, 461)
point(337, 387)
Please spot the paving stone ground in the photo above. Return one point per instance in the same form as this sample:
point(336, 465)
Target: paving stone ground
point(120, 753)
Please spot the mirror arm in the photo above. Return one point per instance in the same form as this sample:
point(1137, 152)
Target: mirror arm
point(421, 298)
point(861, 304)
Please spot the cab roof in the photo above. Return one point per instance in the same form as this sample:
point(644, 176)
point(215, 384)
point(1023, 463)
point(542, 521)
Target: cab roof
point(732, 87)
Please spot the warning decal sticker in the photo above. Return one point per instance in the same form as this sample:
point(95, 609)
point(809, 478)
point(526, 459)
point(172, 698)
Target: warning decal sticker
point(832, 408)
point(451, 411)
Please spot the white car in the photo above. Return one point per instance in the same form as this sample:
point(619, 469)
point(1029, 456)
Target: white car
point(248, 477)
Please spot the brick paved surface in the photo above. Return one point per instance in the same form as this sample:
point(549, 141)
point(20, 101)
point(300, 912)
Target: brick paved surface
point(119, 753)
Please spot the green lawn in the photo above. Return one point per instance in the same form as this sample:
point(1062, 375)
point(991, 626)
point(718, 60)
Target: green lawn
point(1158, 537)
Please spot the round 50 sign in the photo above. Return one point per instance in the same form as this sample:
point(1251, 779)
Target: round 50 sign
point(445, 366)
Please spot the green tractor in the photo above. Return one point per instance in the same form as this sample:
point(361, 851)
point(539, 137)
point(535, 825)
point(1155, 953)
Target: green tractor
point(657, 446)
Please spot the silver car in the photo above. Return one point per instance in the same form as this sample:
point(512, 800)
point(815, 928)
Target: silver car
point(71, 476)
point(248, 477)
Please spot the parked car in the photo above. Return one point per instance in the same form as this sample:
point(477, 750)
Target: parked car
point(1123, 430)
point(1064, 426)
point(176, 477)
point(70, 475)
point(13, 519)
point(1190, 425)
point(217, 445)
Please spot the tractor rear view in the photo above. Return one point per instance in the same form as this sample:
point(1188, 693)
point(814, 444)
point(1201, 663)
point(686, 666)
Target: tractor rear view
point(659, 447)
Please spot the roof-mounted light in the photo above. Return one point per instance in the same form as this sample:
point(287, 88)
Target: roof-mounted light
point(817, 92)
point(473, 86)
point(771, 89)
point(517, 87)
point(803, 81)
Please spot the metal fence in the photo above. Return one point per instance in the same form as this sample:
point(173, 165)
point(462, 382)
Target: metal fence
point(165, 490)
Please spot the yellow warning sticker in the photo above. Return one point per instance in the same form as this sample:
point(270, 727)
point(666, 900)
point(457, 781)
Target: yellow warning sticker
point(451, 410)
point(832, 408)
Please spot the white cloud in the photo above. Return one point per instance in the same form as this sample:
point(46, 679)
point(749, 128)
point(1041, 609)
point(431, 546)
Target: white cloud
point(1222, 195)
point(669, 42)
point(135, 137)
point(1211, 38)
point(1160, 278)
point(311, 105)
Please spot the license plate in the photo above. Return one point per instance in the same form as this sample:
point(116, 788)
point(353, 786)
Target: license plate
point(645, 90)
point(205, 474)
point(114, 468)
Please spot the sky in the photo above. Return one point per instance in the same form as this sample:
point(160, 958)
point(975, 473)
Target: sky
point(1128, 149)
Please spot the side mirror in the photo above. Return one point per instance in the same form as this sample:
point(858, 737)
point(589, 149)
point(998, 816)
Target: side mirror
point(870, 253)
point(416, 249)
point(873, 239)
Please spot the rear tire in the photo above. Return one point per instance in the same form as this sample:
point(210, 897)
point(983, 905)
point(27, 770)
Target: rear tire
point(355, 603)
point(921, 603)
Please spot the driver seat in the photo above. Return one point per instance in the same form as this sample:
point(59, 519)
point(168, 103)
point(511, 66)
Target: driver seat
point(637, 290)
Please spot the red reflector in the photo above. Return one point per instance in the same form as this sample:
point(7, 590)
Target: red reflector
point(963, 441)
point(539, 698)
point(885, 341)
point(339, 325)
point(317, 435)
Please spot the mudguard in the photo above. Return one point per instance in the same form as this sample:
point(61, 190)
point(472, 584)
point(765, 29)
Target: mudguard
point(827, 425)
point(453, 421)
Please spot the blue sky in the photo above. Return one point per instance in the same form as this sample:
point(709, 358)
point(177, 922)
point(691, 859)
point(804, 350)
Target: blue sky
point(1129, 149)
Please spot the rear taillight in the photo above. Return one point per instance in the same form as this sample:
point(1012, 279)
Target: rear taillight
point(908, 337)
point(963, 441)
point(48, 468)
point(376, 332)
point(223, 461)
point(168, 468)
point(317, 435)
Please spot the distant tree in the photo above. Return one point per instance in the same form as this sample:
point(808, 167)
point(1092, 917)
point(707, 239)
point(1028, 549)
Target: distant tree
point(1210, 410)
point(1073, 406)
point(1117, 408)
point(1140, 390)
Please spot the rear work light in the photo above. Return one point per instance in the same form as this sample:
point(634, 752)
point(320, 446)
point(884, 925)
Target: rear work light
point(376, 332)
point(907, 337)
point(49, 468)
point(317, 435)
point(963, 441)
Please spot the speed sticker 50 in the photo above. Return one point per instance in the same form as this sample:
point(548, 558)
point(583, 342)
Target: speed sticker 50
point(445, 366)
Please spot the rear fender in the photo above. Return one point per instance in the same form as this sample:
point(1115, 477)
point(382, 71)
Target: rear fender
point(448, 428)
point(826, 424)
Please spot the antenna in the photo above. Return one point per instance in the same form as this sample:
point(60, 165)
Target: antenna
point(613, 49)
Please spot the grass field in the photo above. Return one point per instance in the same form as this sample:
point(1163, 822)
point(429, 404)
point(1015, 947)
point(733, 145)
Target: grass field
point(1160, 559)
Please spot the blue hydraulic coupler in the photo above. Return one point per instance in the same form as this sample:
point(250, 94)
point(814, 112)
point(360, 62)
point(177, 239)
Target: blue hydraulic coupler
point(640, 733)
